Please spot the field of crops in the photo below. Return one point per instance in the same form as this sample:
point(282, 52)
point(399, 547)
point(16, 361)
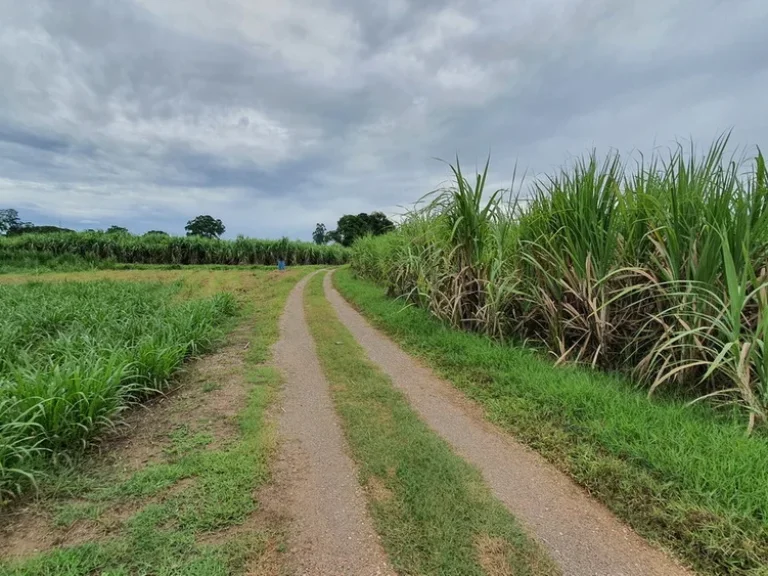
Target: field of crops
point(74, 355)
point(657, 269)
point(93, 249)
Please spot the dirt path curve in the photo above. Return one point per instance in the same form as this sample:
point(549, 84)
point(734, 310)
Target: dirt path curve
point(582, 535)
point(330, 533)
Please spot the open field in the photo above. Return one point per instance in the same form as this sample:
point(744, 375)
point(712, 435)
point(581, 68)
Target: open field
point(74, 355)
point(87, 250)
point(176, 488)
point(205, 481)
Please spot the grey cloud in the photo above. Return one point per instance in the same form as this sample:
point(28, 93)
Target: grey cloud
point(276, 115)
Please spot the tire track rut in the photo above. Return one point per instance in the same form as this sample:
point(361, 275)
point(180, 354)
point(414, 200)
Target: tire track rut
point(330, 533)
point(582, 535)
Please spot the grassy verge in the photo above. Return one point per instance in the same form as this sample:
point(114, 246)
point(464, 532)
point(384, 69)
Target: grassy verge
point(187, 513)
point(432, 509)
point(680, 475)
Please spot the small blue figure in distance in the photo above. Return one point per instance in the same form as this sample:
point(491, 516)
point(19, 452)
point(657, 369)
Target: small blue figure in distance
point(281, 263)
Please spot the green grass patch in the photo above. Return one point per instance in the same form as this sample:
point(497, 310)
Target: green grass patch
point(190, 496)
point(433, 511)
point(74, 355)
point(684, 476)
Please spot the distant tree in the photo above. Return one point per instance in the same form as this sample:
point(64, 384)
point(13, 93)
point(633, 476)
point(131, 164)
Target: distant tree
point(319, 235)
point(26, 228)
point(156, 233)
point(206, 226)
point(350, 227)
point(117, 230)
point(9, 219)
point(379, 224)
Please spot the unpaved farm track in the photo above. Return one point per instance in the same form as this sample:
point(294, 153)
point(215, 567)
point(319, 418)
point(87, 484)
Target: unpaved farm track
point(582, 535)
point(330, 533)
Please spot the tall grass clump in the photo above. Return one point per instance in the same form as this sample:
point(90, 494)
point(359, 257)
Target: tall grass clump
point(96, 247)
point(73, 356)
point(655, 268)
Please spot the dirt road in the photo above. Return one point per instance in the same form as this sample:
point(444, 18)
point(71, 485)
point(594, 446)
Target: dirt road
point(582, 535)
point(330, 532)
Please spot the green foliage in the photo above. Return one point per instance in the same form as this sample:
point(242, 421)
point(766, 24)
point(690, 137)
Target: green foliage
point(657, 271)
point(205, 226)
point(29, 229)
point(117, 230)
point(74, 355)
point(96, 249)
point(319, 236)
point(350, 227)
point(11, 224)
point(156, 233)
point(177, 526)
point(9, 219)
point(683, 475)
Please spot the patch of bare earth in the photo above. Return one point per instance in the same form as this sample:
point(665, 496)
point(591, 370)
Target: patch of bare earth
point(378, 489)
point(207, 397)
point(492, 554)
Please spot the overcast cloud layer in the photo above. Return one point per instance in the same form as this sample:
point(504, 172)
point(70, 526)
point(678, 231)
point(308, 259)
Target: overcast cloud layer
point(275, 115)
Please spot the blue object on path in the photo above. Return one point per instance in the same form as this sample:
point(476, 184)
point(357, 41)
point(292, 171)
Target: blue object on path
point(281, 264)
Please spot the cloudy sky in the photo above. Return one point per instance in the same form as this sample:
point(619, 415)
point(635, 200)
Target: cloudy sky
point(274, 115)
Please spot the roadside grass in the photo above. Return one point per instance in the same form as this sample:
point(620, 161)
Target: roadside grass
point(432, 510)
point(684, 476)
point(185, 510)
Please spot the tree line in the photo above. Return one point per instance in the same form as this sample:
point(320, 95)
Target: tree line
point(12, 225)
point(348, 228)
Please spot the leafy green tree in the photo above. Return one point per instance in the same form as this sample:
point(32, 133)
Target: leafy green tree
point(117, 230)
point(350, 227)
point(379, 224)
point(156, 233)
point(206, 226)
point(9, 220)
point(319, 235)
